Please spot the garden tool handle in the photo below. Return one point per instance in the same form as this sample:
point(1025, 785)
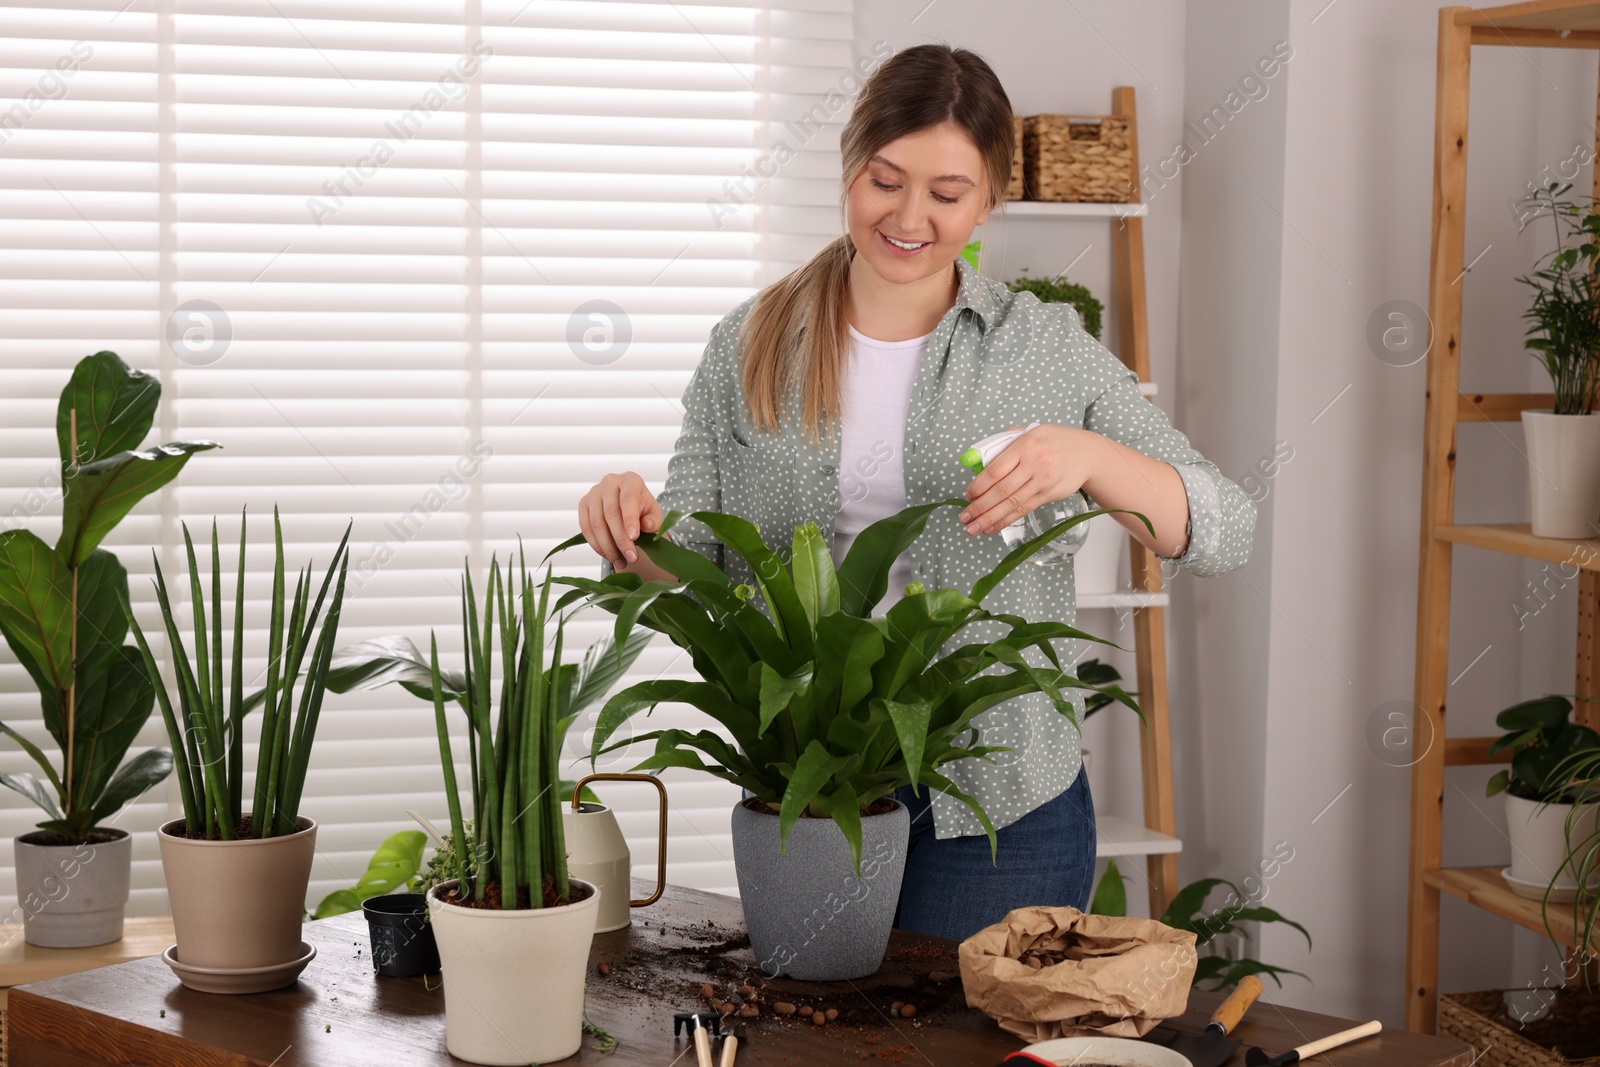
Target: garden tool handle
point(702, 1046)
point(1230, 1011)
point(1343, 1037)
point(661, 830)
point(730, 1047)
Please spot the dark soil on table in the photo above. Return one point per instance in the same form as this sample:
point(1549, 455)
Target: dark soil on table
point(706, 967)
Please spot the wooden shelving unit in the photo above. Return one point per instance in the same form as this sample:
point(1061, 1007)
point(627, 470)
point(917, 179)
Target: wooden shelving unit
point(1156, 840)
point(1542, 24)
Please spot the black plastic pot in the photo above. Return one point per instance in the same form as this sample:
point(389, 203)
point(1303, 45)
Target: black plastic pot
point(402, 937)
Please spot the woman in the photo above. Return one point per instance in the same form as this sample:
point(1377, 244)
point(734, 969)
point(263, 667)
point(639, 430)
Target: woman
point(913, 356)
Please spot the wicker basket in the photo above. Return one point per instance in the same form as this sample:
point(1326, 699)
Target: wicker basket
point(1014, 190)
point(1078, 158)
point(1569, 1036)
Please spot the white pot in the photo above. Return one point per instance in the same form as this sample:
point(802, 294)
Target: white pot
point(513, 980)
point(1539, 841)
point(1097, 565)
point(72, 896)
point(1563, 473)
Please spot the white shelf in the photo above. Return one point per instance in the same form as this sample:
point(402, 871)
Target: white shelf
point(1147, 388)
point(1048, 209)
point(1123, 600)
point(1118, 837)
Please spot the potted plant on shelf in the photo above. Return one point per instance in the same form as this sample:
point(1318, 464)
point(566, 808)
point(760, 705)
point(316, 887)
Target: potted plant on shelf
point(1580, 848)
point(513, 928)
point(1547, 797)
point(1564, 333)
point(237, 879)
point(829, 710)
point(60, 616)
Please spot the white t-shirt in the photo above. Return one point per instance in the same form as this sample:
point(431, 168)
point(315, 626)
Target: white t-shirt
point(875, 395)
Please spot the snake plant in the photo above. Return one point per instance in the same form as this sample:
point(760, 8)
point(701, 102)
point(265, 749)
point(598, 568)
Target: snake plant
point(207, 727)
point(828, 707)
point(512, 755)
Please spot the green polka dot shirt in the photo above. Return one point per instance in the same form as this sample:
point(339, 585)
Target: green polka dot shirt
point(996, 359)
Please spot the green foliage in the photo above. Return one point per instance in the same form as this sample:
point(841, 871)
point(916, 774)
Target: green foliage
point(1541, 736)
point(1564, 318)
point(828, 707)
point(1582, 848)
point(49, 596)
point(512, 756)
point(393, 866)
point(207, 728)
point(1096, 673)
point(1053, 291)
point(384, 660)
point(1184, 913)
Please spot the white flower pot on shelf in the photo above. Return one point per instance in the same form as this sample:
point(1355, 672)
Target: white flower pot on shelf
point(1563, 473)
point(1097, 566)
point(1539, 846)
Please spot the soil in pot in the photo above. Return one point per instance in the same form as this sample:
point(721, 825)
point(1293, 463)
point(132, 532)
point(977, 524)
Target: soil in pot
point(577, 892)
point(72, 894)
point(401, 936)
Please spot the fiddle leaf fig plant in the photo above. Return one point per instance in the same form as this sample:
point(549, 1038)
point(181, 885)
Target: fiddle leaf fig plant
point(828, 707)
point(60, 607)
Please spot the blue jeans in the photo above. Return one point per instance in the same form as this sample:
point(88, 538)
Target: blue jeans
point(951, 888)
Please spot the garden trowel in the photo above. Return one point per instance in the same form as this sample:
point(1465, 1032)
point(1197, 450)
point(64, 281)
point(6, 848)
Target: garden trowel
point(1212, 1046)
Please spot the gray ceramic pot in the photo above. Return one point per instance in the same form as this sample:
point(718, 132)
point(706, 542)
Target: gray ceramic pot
point(72, 896)
point(808, 915)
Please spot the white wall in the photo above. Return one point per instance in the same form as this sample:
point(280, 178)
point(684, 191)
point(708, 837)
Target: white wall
point(1338, 565)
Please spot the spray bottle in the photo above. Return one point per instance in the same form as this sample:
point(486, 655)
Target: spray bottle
point(1040, 518)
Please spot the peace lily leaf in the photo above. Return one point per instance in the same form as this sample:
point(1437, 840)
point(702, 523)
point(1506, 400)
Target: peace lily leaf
point(374, 664)
point(396, 862)
point(97, 495)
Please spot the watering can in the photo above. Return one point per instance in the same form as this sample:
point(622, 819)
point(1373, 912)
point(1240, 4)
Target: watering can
point(597, 852)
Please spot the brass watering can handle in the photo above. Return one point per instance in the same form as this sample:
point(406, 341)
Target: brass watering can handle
point(661, 831)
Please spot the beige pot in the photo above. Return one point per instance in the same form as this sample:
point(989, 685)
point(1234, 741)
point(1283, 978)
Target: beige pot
point(513, 980)
point(237, 905)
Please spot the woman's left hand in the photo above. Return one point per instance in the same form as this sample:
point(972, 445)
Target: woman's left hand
point(1047, 463)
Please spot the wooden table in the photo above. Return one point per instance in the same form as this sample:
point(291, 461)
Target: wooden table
point(21, 962)
point(340, 1015)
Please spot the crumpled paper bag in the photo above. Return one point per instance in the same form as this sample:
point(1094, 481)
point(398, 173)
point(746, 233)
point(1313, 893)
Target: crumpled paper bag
point(1122, 975)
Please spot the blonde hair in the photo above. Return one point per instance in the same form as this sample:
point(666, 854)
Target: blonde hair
point(920, 87)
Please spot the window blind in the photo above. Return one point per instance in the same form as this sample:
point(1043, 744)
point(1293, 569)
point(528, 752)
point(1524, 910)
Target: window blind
point(427, 268)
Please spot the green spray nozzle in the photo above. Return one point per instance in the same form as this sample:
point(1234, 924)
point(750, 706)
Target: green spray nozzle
point(972, 459)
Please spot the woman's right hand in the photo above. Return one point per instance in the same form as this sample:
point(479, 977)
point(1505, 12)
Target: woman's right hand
point(614, 513)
